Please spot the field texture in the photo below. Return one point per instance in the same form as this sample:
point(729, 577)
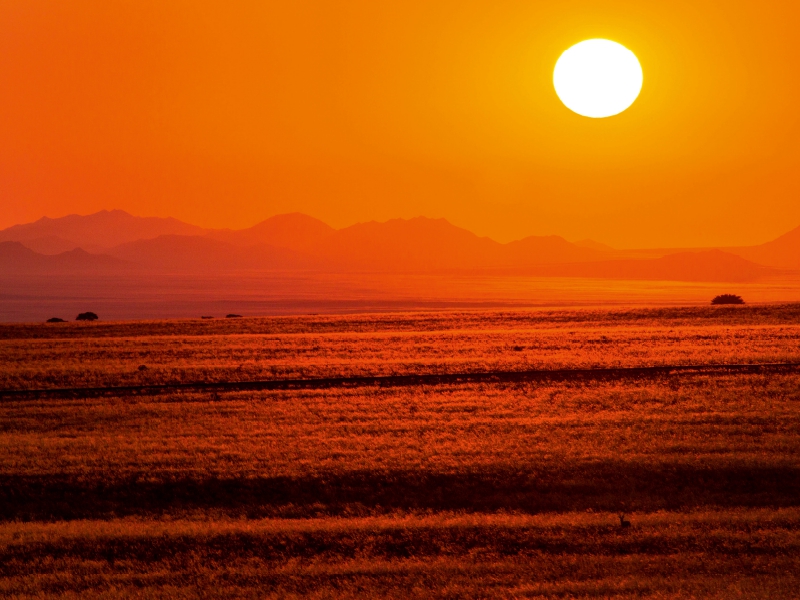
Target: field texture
point(465, 490)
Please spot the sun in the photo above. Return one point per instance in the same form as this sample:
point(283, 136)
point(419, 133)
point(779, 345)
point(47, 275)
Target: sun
point(598, 78)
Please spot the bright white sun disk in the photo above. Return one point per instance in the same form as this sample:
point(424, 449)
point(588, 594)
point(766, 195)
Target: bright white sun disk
point(598, 78)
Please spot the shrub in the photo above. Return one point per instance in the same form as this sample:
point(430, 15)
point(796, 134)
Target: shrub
point(233, 316)
point(87, 316)
point(727, 299)
point(55, 320)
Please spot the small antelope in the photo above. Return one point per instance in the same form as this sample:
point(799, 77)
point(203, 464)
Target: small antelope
point(623, 522)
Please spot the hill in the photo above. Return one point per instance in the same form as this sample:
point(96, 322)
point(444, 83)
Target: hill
point(199, 253)
point(552, 249)
point(52, 244)
point(294, 231)
point(594, 245)
point(418, 244)
point(16, 258)
point(426, 245)
point(783, 252)
point(103, 229)
point(294, 241)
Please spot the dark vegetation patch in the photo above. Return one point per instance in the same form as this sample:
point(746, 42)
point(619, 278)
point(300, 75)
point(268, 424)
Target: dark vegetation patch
point(727, 299)
point(422, 540)
point(598, 486)
point(497, 377)
point(717, 554)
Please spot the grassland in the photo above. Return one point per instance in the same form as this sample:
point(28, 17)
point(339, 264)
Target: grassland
point(100, 354)
point(446, 491)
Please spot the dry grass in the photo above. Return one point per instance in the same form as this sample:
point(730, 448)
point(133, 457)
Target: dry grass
point(441, 556)
point(459, 491)
point(74, 355)
point(292, 433)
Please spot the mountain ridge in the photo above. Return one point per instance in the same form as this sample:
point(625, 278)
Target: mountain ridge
point(200, 253)
point(105, 228)
point(295, 231)
point(782, 252)
point(16, 258)
point(295, 241)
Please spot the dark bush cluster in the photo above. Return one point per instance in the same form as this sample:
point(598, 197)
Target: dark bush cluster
point(727, 299)
point(87, 316)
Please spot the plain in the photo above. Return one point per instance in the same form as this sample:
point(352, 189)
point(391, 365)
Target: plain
point(464, 490)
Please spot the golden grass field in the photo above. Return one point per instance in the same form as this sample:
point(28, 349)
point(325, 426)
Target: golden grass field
point(465, 490)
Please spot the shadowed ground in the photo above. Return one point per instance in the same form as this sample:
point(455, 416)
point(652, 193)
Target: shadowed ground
point(603, 486)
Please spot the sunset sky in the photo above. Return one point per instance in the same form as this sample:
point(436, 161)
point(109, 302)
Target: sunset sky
point(224, 113)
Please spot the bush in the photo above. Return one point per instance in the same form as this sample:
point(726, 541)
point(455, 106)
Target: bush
point(233, 316)
point(55, 320)
point(727, 299)
point(87, 316)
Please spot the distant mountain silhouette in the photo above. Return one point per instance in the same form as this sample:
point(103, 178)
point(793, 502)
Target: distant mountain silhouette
point(783, 252)
point(594, 245)
point(422, 244)
point(291, 242)
point(16, 258)
point(52, 244)
point(300, 242)
point(418, 244)
point(295, 231)
point(552, 249)
point(103, 229)
point(200, 253)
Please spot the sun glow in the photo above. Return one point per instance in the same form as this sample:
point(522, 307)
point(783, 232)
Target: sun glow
point(598, 78)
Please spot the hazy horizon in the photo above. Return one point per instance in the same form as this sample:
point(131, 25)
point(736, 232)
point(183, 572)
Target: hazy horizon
point(142, 267)
point(248, 226)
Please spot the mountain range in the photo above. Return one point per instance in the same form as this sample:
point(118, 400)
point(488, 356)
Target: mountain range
point(115, 241)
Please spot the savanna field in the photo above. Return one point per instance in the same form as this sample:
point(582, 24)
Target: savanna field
point(509, 482)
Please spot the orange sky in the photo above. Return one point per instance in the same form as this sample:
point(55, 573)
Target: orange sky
point(224, 113)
